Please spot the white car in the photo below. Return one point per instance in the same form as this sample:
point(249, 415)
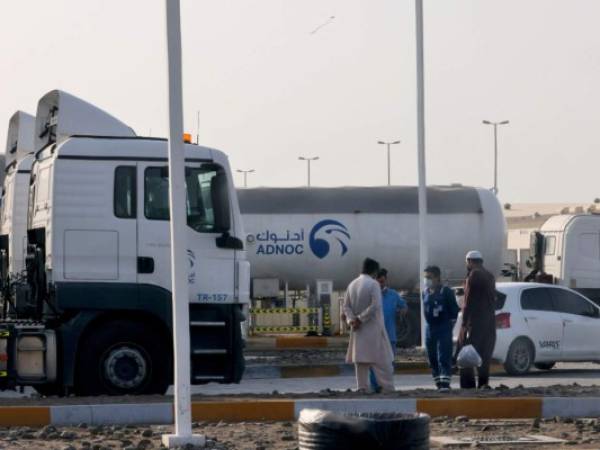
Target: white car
point(541, 324)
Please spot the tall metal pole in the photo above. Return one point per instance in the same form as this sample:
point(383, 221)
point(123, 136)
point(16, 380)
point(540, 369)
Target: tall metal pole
point(389, 161)
point(177, 195)
point(495, 158)
point(423, 249)
point(246, 172)
point(389, 164)
point(308, 161)
point(495, 124)
point(198, 128)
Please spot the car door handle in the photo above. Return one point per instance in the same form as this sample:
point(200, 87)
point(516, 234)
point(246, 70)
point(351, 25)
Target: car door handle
point(531, 318)
point(567, 321)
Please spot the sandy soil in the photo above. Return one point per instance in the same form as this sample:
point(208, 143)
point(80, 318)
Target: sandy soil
point(582, 433)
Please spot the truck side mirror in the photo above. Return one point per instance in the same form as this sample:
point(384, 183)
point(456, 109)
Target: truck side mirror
point(220, 202)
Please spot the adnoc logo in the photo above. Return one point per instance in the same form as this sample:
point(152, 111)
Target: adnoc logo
point(326, 233)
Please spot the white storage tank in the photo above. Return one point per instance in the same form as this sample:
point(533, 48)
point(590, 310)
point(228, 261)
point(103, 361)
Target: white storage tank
point(299, 235)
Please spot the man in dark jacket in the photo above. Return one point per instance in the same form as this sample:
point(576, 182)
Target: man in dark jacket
point(478, 320)
point(441, 309)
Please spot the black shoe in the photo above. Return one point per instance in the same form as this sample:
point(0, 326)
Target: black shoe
point(443, 387)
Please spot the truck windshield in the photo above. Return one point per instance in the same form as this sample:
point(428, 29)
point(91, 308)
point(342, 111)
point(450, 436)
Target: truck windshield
point(199, 203)
point(200, 211)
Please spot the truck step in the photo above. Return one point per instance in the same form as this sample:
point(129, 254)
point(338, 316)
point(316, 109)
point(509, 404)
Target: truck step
point(202, 323)
point(208, 351)
point(208, 377)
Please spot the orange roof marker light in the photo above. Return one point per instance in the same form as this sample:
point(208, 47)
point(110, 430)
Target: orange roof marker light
point(187, 138)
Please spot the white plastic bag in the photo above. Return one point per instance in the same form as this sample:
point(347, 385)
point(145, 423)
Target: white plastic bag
point(468, 358)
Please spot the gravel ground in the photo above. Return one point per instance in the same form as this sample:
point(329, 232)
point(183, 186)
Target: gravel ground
point(581, 433)
point(318, 356)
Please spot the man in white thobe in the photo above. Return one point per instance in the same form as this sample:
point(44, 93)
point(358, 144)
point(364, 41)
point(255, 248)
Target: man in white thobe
point(369, 346)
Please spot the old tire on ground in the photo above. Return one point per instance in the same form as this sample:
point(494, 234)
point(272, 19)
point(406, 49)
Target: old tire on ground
point(123, 358)
point(324, 430)
point(520, 357)
point(544, 366)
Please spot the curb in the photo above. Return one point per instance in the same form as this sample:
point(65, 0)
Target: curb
point(289, 410)
point(262, 372)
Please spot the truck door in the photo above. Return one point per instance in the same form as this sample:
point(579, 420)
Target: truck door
point(552, 254)
point(211, 269)
point(544, 323)
point(125, 213)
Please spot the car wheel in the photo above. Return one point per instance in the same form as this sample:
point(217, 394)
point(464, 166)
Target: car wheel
point(123, 358)
point(520, 357)
point(544, 366)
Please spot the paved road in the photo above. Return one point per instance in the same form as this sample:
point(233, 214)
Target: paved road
point(582, 374)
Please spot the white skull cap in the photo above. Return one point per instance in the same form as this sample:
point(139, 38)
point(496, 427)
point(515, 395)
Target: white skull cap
point(474, 254)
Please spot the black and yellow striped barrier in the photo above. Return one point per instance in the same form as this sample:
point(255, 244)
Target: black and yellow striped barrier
point(285, 329)
point(284, 311)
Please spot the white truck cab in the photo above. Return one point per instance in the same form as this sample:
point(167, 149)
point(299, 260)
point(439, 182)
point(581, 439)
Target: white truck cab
point(567, 250)
point(15, 188)
point(98, 262)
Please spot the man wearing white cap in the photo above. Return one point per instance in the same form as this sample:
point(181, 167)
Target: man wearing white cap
point(479, 320)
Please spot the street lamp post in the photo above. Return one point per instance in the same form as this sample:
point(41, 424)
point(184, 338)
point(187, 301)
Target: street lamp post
point(388, 144)
point(197, 127)
point(423, 238)
point(246, 172)
point(308, 160)
point(182, 411)
point(495, 124)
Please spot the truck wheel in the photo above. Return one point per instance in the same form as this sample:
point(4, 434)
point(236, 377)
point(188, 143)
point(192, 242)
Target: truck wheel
point(408, 328)
point(544, 366)
point(123, 358)
point(520, 357)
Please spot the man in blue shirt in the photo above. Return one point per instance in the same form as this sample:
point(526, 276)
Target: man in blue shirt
point(392, 303)
point(441, 309)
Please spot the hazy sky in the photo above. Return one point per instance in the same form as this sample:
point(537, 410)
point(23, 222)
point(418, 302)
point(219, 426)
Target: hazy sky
point(268, 90)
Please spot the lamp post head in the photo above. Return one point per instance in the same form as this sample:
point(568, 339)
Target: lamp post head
point(381, 142)
point(396, 142)
point(504, 122)
point(486, 122)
